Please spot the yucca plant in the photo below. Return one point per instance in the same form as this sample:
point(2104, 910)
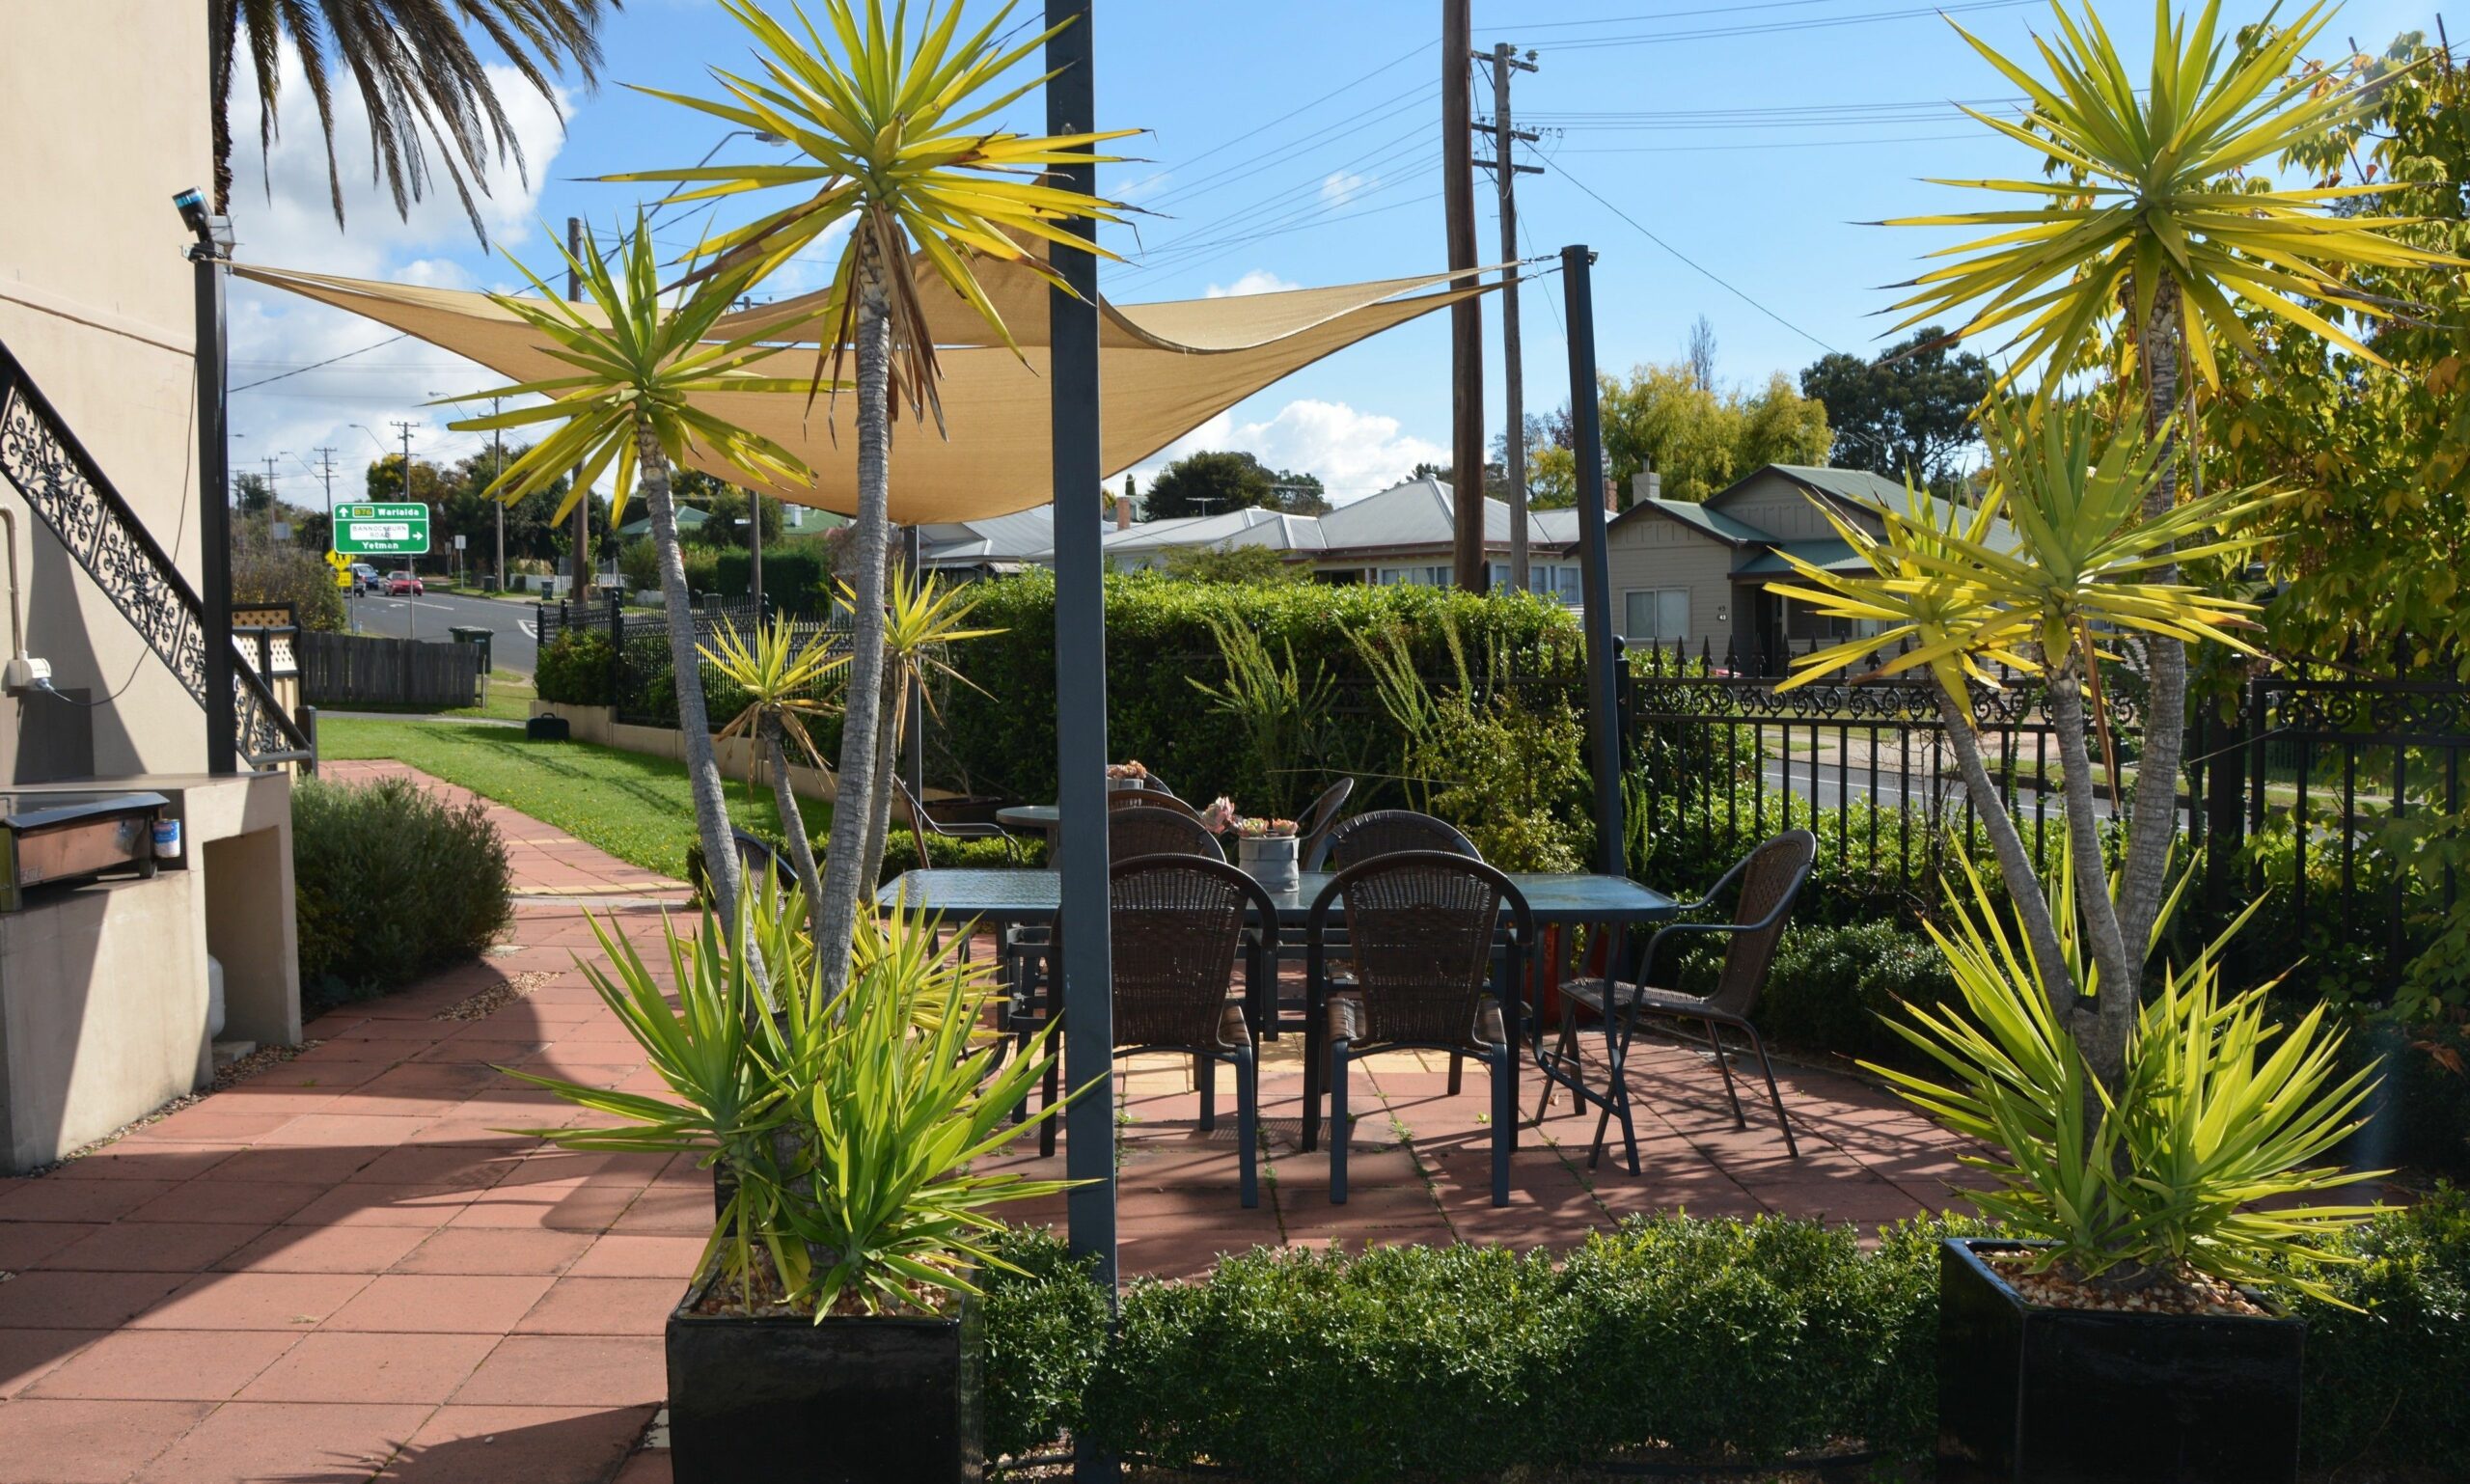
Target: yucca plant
point(780, 676)
point(923, 619)
point(895, 125)
point(631, 410)
point(2219, 1112)
point(845, 1129)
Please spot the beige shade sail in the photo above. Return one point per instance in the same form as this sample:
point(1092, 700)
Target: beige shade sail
point(1165, 368)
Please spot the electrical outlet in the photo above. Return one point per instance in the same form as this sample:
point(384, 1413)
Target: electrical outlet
point(25, 675)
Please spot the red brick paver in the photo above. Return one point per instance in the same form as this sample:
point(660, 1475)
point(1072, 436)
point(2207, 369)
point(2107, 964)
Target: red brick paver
point(347, 1268)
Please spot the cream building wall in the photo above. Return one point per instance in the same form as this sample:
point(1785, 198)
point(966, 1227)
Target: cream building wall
point(106, 120)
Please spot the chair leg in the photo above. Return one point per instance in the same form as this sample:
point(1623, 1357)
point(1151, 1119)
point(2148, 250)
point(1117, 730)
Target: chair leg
point(1338, 1130)
point(1313, 1053)
point(1457, 1073)
point(1205, 1075)
point(1248, 1125)
point(1564, 1053)
point(1504, 1122)
point(1716, 1043)
point(1054, 1094)
point(1759, 1048)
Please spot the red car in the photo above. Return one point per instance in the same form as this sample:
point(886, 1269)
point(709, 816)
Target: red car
point(403, 583)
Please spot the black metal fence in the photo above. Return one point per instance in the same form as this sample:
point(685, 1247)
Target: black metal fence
point(2323, 792)
point(643, 685)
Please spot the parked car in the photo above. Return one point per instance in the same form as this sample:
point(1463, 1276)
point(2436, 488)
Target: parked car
point(403, 583)
point(364, 578)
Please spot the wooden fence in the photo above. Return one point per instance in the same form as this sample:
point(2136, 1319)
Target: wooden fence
point(349, 669)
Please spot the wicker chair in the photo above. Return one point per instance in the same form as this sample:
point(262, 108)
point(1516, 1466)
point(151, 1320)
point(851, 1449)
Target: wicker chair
point(1421, 927)
point(756, 857)
point(1770, 877)
point(1177, 921)
point(1320, 816)
point(1384, 832)
point(1149, 798)
point(1139, 832)
point(921, 818)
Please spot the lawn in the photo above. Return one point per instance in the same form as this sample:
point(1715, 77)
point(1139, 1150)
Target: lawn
point(634, 807)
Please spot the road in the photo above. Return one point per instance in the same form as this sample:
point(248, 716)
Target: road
point(515, 648)
point(1894, 789)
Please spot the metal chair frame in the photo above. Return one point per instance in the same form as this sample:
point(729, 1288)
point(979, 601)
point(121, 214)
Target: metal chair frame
point(921, 818)
point(1340, 1053)
point(1619, 1019)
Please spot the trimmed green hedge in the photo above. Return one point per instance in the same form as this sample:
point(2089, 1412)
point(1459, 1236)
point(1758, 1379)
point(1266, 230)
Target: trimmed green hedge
point(575, 669)
point(1001, 739)
point(391, 883)
point(796, 576)
point(1668, 1339)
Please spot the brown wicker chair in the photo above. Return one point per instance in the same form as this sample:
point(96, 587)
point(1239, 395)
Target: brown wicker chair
point(1320, 816)
point(1384, 832)
point(1139, 832)
point(1770, 878)
point(1149, 798)
point(1421, 928)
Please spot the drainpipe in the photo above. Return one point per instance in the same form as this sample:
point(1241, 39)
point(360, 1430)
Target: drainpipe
point(207, 256)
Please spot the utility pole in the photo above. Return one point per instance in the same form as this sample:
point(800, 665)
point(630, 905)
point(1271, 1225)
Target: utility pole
point(496, 470)
point(754, 519)
point(1466, 316)
point(270, 458)
point(411, 610)
point(1505, 173)
point(583, 497)
point(325, 469)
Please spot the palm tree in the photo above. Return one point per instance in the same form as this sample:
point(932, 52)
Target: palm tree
point(629, 410)
point(898, 143)
point(780, 676)
point(2144, 213)
point(417, 73)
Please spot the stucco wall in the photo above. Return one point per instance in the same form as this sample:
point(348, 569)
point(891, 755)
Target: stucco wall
point(107, 120)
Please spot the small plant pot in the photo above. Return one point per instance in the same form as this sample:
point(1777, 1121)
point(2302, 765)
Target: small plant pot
point(1126, 784)
point(2035, 1396)
point(1270, 859)
point(785, 1400)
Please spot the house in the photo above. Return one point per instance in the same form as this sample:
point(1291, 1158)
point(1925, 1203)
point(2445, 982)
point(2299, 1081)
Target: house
point(106, 984)
point(1697, 574)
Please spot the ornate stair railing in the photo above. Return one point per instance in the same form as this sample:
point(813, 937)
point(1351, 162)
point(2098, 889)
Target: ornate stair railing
point(64, 486)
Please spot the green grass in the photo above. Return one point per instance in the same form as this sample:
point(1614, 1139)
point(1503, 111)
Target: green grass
point(636, 808)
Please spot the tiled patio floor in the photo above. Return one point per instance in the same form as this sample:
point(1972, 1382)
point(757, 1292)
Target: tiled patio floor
point(342, 1270)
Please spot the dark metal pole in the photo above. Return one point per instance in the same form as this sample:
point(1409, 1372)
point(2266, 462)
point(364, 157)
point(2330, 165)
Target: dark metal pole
point(1595, 575)
point(1081, 678)
point(914, 749)
point(207, 258)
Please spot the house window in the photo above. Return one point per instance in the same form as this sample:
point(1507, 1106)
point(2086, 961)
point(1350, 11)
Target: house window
point(1658, 613)
point(1415, 576)
point(1557, 581)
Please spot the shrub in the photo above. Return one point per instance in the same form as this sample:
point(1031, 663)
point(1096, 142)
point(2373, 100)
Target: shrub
point(1045, 1330)
point(280, 572)
point(797, 573)
point(639, 564)
point(574, 668)
point(702, 569)
point(391, 883)
point(2386, 1385)
point(1828, 987)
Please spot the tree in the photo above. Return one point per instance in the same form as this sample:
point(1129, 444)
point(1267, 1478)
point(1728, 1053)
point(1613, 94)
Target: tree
point(417, 73)
point(2138, 211)
point(629, 409)
point(896, 141)
point(724, 506)
point(1909, 414)
point(1298, 494)
point(1211, 484)
point(251, 494)
point(1697, 439)
point(1700, 353)
point(1233, 563)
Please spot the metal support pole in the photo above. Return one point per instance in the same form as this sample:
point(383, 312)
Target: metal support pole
point(1595, 575)
point(1084, 952)
point(206, 259)
point(913, 740)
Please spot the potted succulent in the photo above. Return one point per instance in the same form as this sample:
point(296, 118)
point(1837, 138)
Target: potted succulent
point(1123, 775)
point(831, 1332)
point(1266, 849)
point(2120, 1327)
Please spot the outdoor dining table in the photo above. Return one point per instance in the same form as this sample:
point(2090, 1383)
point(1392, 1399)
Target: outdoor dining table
point(1041, 817)
point(1020, 896)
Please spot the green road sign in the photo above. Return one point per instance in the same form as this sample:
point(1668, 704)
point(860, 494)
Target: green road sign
point(381, 529)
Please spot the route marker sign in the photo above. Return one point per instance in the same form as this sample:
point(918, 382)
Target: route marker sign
point(381, 529)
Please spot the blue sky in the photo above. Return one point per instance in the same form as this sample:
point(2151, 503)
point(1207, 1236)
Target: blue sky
point(1289, 144)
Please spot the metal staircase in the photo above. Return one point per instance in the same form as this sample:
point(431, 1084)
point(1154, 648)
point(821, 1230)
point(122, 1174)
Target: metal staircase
point(64, 486)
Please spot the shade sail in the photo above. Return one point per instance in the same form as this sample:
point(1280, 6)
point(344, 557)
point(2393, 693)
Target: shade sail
point(1165, 368)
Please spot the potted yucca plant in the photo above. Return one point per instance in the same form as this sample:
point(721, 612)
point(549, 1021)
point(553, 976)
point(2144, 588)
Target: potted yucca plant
point(830, 1333)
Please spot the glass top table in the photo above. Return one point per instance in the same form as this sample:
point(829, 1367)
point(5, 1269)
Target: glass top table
point(1020, 894)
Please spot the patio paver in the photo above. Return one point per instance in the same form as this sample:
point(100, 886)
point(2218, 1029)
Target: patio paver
point(346, 1268)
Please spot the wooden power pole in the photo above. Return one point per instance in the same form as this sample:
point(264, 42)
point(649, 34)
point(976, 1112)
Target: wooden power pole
point(583, 497)
point(1466, 316)
point(1505, 173)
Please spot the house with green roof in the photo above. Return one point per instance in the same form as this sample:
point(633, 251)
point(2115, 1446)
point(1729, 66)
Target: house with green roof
point(1697, 573)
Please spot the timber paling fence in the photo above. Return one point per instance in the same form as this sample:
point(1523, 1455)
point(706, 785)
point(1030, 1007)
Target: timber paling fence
point(366, 669)
point(2323, 793)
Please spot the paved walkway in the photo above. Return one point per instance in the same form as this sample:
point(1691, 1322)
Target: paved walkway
point(343, 1269)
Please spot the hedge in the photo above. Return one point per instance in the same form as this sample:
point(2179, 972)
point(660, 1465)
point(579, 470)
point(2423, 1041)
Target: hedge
point(391, 883)
point(575, 669)
point(1668, 1339)
point(999, 737)
point(797, 575)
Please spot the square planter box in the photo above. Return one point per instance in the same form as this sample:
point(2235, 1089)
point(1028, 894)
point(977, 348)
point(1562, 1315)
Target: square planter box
point(2033, 1395)
point(847, 1401)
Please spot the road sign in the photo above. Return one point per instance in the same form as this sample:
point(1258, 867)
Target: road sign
point(381, 529)
point(339, 562)
point(458, 544)
point(343, 578)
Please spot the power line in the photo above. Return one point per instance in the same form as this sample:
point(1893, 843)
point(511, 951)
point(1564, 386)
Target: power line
point(1701, 268)
point(1774, 27)
point(328, 361)
point(1293, 113)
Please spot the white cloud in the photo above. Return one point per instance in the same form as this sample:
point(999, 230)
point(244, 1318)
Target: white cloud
point(1355, 453)
point(1257, 281)
point(1341, 186)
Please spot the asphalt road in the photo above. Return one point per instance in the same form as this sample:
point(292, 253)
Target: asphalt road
point(514, 646)
point(1837, 784)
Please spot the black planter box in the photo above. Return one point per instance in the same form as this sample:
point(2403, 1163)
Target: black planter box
point(545, 728)
point(847, 1401)
point(2032, 1395)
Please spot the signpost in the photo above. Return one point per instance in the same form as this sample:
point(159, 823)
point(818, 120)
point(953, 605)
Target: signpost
point(381, 531)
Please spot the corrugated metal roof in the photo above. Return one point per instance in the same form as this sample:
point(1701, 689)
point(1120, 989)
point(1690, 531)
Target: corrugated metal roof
point(1831, 553)
point(1690, 514)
